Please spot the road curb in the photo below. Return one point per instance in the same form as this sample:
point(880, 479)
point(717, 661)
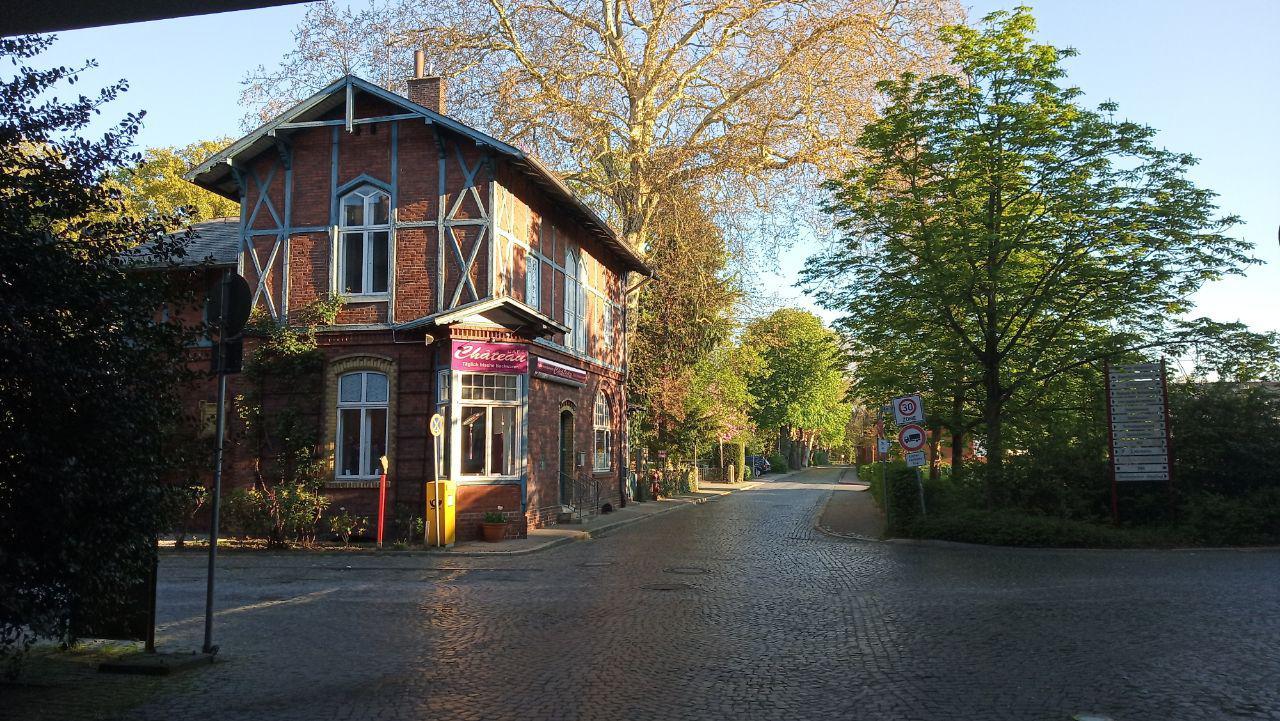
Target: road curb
point(586, 535)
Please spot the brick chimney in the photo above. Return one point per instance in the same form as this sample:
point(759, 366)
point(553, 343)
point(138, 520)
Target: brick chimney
point(426, 90)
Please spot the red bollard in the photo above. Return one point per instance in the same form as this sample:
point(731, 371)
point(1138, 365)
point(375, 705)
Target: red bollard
point(382, 498)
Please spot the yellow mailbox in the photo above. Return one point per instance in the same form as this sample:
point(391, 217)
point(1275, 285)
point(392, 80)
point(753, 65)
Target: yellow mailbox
point(441, 512)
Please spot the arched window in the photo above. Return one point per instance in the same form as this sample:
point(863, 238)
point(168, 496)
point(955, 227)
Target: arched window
point(364, 259)
point(362, 424)
point(603, 433)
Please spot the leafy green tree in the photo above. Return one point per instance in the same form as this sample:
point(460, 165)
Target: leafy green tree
point(154, 185)
point(88, 371)
point(1227, 435)
point(1032, 236)
point(799, 384)
point(681, 318)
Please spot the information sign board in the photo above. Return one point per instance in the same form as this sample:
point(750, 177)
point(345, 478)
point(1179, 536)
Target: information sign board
point(916, 459)
point(1137, 406)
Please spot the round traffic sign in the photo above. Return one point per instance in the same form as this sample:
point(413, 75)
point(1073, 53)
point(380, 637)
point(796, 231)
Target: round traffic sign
point(911, 437)
point(437, 424)
point(907, 407)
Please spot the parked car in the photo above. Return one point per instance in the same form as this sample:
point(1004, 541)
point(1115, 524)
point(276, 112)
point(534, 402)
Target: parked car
point(759, 465)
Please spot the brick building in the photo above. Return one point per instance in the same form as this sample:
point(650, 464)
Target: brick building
point(475, 284)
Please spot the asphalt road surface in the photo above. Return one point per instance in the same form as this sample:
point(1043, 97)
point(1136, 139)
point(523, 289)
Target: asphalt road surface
point(734, 609)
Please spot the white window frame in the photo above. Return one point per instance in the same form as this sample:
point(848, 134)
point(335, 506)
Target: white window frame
point(575, 301)
point(532, 280)
point(368, 466)
point(606, 334)
point(517, 440)
point(370, 194)
point(602, 424)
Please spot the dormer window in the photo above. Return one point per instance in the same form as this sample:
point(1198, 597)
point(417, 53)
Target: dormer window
point(364, 260)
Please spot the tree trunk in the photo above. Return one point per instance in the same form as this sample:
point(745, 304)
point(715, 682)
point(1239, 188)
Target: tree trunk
point(957, 432)
point(994, 446)
point(935, 442)
point(957, 453)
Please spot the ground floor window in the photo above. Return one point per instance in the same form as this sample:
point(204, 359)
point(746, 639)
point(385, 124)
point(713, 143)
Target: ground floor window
point(362, 424)
point(489, 405)
point(603, 425)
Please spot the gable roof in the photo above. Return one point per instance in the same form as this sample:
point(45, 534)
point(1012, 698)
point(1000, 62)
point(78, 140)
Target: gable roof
point(215, 173)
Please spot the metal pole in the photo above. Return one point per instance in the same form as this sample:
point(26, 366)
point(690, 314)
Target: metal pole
point(920, 486)
point(1111, 445)
point(884, 475)
point(213, 523)
point(219, 349)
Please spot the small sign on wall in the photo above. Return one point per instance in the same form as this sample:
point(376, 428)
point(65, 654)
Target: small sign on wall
point(558, 372)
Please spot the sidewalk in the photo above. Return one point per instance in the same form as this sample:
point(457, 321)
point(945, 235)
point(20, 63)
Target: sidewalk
point(850, 511)
point(543, 538)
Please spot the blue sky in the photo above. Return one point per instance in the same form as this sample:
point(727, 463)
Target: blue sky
point(1204, 73)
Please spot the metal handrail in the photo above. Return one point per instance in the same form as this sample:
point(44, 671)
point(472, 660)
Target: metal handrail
point(584, 494)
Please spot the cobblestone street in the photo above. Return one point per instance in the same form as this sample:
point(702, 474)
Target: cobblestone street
point(733, 609)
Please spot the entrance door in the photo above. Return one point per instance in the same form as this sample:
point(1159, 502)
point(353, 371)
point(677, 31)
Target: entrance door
point(566, 458)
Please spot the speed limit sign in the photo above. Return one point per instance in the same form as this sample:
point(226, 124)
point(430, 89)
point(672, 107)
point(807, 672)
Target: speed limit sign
point(908, 409)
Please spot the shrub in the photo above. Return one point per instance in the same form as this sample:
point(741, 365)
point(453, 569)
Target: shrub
point(282, 512)
point(735, 456)
point(821, 458)
point(1010, 528)
point(1220, 520)
point(181, 504)
point(495, 516)
point(778, 463)
point(410, 527)
point(344, 525)
point(904, 497)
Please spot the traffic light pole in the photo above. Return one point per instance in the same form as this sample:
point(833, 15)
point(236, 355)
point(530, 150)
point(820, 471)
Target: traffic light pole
point(218, 349)
point(213, 523)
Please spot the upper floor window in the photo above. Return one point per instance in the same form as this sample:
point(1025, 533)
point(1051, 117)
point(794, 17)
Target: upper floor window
point(606, 334)
point(603, 433)
point(362, 424)
point(364, 258)
point(575, 302)
point(532, 281)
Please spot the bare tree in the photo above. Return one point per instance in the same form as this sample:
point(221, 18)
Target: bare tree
point(745, 100)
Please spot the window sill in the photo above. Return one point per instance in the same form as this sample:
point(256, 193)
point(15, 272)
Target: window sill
point(352, 299)
point(352, 483)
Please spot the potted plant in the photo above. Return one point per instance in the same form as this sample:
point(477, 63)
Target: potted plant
point(494, 527)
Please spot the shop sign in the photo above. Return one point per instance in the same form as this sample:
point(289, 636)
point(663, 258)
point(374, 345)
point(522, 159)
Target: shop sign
point(558, 372)
point(480, 357)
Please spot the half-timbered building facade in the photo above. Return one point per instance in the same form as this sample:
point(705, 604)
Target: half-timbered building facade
point(474, 284)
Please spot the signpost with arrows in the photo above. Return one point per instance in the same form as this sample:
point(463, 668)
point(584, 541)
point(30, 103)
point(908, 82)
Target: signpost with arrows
point(1138, 434)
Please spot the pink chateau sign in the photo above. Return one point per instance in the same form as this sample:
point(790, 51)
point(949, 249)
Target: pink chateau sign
point(479, 357)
